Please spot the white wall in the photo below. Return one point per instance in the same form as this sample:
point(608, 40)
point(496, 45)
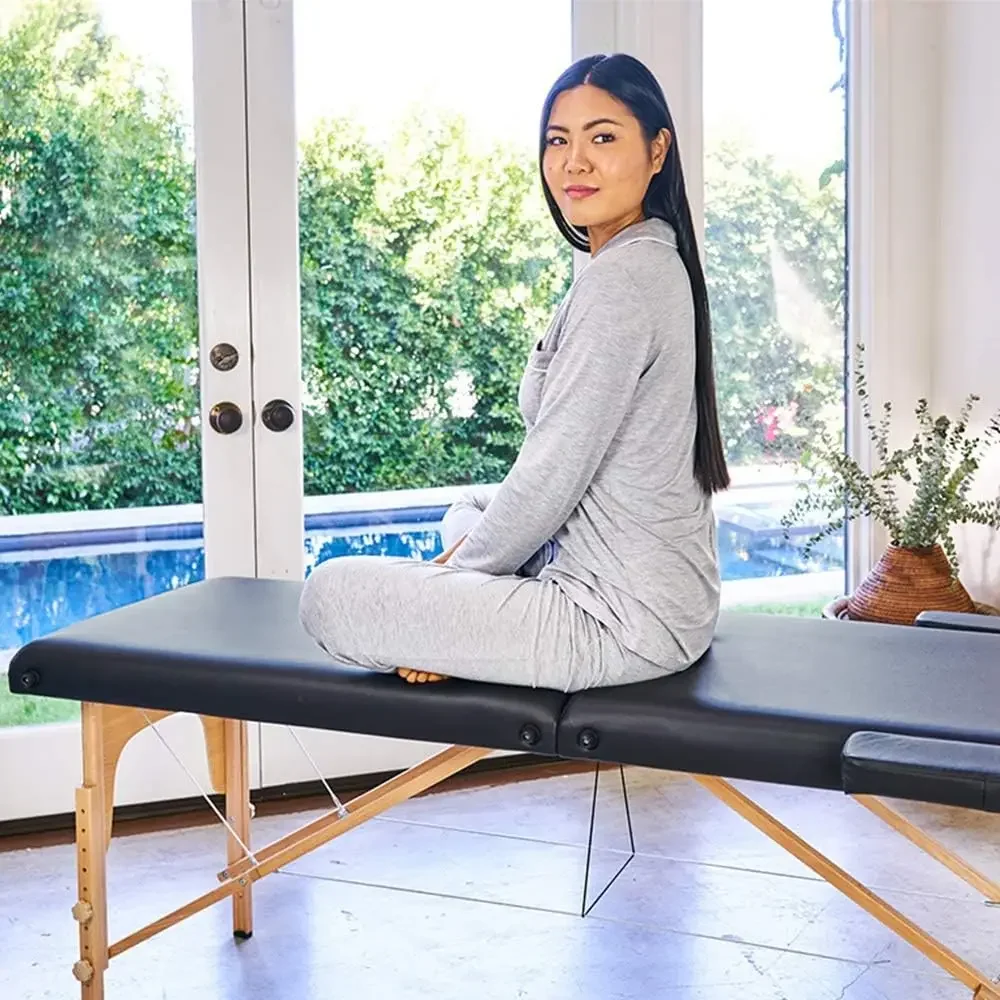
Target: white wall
point(966, 227)
point(900, 180)
point(667, 37)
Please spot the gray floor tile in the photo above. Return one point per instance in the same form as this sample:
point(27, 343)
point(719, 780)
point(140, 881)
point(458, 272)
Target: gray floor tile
point(969, 928)
point(469, 865)
point(673, 817)
point(768, 910)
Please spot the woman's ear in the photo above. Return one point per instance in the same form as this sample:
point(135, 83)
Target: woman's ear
point(661, 145)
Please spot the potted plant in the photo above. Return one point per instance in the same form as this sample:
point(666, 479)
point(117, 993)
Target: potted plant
point(919, 569)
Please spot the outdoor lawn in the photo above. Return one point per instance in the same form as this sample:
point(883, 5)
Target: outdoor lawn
point(25, 710)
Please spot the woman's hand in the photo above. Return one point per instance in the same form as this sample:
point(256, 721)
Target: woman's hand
point(445, 556)
point(422, 676)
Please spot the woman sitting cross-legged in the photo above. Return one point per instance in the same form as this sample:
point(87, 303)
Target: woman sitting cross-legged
point(594, 562)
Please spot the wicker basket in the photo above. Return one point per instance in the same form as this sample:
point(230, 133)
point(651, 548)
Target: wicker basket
point(904, 583)
point(837, 608)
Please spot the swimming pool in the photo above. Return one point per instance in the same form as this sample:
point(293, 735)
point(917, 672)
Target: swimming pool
point(51, 582)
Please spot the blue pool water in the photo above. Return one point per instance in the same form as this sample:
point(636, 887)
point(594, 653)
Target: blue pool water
point(43, 593)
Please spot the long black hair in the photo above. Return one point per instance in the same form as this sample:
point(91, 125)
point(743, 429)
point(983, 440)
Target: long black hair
point(627, 79)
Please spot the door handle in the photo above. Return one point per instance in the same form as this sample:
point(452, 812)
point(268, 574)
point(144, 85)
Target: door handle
point(277, 415)
point(225, 418)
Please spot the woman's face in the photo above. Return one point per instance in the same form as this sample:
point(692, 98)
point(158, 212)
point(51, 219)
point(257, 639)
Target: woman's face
point(597, 162)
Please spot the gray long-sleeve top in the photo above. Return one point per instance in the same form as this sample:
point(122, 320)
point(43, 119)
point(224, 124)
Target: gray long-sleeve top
point(606, 465)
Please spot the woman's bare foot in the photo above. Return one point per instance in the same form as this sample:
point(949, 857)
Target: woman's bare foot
point(412, 676)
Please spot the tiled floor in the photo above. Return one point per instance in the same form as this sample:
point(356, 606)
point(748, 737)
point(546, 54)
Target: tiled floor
point(476, 894)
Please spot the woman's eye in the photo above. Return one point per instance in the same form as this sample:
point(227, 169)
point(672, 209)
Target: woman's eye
point(553, 139)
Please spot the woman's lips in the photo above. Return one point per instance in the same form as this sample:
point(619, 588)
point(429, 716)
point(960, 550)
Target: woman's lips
point(580, 192)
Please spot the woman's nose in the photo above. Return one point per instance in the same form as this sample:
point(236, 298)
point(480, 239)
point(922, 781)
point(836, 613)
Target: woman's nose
point(576, 158)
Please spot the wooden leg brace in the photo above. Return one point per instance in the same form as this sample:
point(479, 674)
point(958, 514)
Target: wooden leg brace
point(983, 988)
point(106, 731)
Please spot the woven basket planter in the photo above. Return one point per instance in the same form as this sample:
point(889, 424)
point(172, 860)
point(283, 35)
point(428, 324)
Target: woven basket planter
point(902, 584)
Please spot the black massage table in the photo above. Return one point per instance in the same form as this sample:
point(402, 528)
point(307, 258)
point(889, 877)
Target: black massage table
point(870, 710)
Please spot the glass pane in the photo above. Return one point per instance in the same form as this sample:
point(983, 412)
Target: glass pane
point(429, 259)
point(775, 132)
point(100, 463)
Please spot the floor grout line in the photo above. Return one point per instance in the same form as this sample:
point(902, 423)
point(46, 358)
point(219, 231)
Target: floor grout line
point(673, 859)
point(656, 929)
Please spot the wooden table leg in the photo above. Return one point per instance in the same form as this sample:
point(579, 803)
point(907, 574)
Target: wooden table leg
point(91, 909)
point(238, 814)
point(929, 845)
point(877, 907)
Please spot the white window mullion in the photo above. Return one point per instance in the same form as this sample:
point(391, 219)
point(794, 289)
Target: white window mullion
point(667, 37)
point(894, 69)
point(868, 229)
point(223, 237)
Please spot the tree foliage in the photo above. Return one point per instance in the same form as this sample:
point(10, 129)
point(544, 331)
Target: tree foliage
point(97, 278)
point(420, 264)
point(775, 273)
point(427, 265)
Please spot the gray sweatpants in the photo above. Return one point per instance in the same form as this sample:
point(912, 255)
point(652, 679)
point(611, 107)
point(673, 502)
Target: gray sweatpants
point(384, 612)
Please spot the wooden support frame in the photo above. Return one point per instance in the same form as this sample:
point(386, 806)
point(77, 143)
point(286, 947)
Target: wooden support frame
point(107, 729)
point(934, 848)
point(982, 986)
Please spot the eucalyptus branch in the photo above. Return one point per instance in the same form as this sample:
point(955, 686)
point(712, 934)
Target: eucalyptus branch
point(940, 463)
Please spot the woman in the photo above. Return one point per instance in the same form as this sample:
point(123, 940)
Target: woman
point(594, 563)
